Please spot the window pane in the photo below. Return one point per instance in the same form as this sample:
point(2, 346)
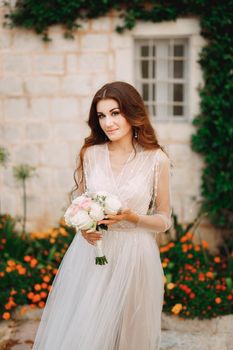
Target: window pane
point(179, 50)
point(145, 51)
point(154, 51)
point(178, 110)
point(178, 69)
point(153, 69)
point(178, 92)
point(145, 69)
point(145, 92)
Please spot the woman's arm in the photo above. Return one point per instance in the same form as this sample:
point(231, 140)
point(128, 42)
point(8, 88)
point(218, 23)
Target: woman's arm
point(161, 220)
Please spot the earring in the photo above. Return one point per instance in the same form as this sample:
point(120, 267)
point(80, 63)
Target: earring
point(135, 133)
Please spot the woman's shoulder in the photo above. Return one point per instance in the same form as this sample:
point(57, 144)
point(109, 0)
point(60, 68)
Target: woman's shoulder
point(93, 150)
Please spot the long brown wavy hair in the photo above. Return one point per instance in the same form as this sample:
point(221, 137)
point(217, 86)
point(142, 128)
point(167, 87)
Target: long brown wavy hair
point(132, 108)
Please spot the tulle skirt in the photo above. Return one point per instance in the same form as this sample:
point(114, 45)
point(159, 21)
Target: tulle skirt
point(116, 306)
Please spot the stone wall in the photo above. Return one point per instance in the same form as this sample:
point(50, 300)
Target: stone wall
point(45, 94)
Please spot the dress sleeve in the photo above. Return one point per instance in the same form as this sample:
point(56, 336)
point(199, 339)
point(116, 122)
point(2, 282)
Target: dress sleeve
point(160, 221)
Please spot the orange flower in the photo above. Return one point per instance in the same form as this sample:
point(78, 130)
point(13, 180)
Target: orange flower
point(217, 259)
point(6, 315)
point(32, 306)
point(9, 269)
point(37, 287)
point(205, 245)
point(27, 258)
point(197, 248)
point(36, 298)
point(41, 304)
point(164, 264)
point(13, 292)
point(44, 285)
point(201, 277)
point(30, 295)
point(23, 310)
point(189, 235)
point(46, 278)
point(33, 262)
point(171, 244)
point(2, 274)
point(11, 263)
point(43, 294)
point(170, 285)
point(218, 300)
point(22, 271)
point(190, 256)
point(177, 308)
point(209, 274)
point(55, 271)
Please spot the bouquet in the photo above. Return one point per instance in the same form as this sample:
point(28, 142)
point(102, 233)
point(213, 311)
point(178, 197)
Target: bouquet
point(89, 208)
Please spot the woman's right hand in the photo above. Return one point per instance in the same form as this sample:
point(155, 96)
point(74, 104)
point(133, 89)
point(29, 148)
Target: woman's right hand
point(90, 236)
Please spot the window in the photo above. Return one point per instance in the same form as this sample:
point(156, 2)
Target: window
point(162, 77)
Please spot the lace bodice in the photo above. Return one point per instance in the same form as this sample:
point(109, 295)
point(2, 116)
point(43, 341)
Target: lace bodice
point(144, 176)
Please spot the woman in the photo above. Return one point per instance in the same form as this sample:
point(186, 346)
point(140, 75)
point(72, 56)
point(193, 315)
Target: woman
point(116, 306)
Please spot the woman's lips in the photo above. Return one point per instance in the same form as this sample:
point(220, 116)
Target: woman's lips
point(111, 131)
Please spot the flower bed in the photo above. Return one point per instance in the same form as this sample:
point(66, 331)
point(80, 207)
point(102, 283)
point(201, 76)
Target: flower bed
point(197, 283)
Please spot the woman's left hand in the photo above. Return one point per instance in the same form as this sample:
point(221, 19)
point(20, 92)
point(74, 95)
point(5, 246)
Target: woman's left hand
point(125, 214)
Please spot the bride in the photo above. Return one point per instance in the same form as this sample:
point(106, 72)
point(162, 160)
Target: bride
point(116, 306)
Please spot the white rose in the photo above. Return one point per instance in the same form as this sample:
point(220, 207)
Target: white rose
point(67, 216)
point(112, 205)
point(96, 212)
point(82, 220)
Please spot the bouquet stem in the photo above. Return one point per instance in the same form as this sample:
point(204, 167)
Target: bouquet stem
point(100, 257)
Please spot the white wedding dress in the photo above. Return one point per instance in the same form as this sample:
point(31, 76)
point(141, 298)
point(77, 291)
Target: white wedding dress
point(116, 306)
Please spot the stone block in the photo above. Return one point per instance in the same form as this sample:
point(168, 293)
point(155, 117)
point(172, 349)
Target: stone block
point(16, 108)
point(61, 44)
point(93, 62)
point(71, 63)
point(5, 38)
point(100, 79)
point(55, 154)
point(38, 131)
point(10, 201)
point(42, 86)
point(64, 178)
point(65, 109)
point(26, 153)
point(12, 133)
point(16, 64)
point(40, 108)
point(26, 41)
point(95, 42)
point(76, 85)
point(102, 24)
point(67, 131)
point(49, 64)
point(11, 86)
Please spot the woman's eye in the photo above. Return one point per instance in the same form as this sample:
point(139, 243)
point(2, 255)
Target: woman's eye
point(115, 113)
point(101, 116)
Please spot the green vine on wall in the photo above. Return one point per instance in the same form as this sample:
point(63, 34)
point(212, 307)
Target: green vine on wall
point(214, 135)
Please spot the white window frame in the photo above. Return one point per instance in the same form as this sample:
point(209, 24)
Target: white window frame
point(161, 81)
point(124, 48)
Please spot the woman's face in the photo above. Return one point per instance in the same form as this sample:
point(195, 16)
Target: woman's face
point(111, 120)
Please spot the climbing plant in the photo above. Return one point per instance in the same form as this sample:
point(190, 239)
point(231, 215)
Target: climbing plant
point(214, 124)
